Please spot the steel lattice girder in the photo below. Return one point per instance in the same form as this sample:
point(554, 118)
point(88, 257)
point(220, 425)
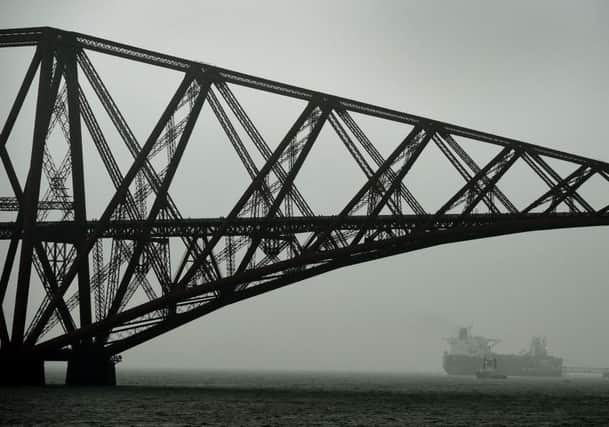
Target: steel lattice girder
point(219, 264)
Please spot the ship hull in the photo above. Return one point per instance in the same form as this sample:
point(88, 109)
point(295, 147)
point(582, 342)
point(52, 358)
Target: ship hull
point(507, 364)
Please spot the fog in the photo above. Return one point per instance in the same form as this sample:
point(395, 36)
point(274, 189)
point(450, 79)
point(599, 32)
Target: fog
point(534, 71)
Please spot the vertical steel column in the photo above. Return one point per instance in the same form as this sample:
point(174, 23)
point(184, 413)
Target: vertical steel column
point(78, 184)
point(10, 171)
point(29, 207)
point(12, 117)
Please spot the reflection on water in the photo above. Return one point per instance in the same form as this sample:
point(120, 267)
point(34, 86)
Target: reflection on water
point(308, 398)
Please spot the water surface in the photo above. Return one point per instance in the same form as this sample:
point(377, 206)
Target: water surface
point(309, 398)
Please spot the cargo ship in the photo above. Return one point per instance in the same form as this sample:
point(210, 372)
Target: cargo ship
point(467, 353)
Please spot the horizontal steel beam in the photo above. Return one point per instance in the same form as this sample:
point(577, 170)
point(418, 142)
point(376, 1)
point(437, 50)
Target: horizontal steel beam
point(66, 231)
point(11, 204)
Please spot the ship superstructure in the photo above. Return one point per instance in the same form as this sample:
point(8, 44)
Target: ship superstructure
point(466, 344)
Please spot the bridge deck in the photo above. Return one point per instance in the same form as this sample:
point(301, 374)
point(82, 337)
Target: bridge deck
point(279, 226)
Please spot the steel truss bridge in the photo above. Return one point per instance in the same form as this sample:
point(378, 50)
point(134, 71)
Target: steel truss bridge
point(89, 270)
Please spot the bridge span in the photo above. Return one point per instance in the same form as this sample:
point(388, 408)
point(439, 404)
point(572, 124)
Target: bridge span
point(89, 271)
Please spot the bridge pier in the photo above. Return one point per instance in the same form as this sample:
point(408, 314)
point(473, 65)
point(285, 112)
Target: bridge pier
point(90, 369)
point(84, 369)
point(18, 369)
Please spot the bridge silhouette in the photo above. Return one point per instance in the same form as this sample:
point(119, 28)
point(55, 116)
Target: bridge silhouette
point(91, 269)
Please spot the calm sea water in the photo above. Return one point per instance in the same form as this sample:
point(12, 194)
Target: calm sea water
point(309, 398)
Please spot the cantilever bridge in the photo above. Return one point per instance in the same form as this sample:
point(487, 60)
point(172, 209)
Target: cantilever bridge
point(90, 271)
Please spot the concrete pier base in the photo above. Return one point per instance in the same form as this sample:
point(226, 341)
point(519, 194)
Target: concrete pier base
point(21, 371)
point(92, 370)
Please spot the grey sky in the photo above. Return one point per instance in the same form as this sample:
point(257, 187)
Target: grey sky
point(531, 70)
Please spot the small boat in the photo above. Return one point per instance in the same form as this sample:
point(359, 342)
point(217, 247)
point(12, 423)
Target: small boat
point(489, 370)
point(490, 374)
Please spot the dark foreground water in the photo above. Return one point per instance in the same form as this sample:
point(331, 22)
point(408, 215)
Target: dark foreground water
point(315, 399)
